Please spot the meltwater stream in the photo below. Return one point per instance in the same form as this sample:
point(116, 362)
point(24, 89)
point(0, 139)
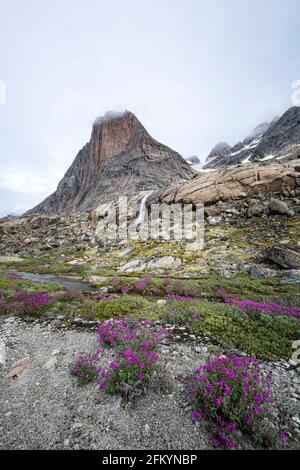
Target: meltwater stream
point(73, 285)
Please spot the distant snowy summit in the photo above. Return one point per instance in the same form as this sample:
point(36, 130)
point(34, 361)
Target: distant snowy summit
point(278, 139)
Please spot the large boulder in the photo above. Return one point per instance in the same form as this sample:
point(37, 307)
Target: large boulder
point(163, 263)
point(285, 258)
point(10, 227)
point(234, 183)
point(255, 207)
point(279, 207)
point(166, 262)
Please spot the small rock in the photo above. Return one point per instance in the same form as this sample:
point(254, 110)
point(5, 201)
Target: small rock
point(214, 220)
point(147, 429)
point(126, 252)
point(18, 368)
point(23, 362)
point(50, 364)
point(296, 420)
point(283, 242)
point(74, 262)
point(161, 302)
point(56, 352)
point(211, 211)
point(96, 280)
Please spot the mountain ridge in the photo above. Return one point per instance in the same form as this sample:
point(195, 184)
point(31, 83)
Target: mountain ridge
point(268, 141)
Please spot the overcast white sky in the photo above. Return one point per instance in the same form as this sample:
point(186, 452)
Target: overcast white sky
point(193, 71)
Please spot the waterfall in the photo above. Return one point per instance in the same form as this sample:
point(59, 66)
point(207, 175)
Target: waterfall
point(142, 210)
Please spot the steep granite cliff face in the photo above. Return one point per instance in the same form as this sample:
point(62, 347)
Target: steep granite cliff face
point(120, 159)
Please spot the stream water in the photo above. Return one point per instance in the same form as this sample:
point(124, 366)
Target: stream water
point(73, 285)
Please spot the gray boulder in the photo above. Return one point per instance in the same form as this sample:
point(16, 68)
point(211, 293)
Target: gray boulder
point(287, 259)
point(255, 207)
point(279, 207)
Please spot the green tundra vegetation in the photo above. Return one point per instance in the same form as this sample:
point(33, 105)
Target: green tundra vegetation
point(198, 304)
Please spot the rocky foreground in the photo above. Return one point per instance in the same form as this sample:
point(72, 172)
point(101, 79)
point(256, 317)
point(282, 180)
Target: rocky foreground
point(43, 407)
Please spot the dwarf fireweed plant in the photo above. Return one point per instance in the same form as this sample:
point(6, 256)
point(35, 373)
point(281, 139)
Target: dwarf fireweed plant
point(136, 361)
point(112, 332)
point(181, 298)
point(13, 277)
point(69, 296)
point(253, 308)
point(231, 394)
point(180, 312)
point(120, 333)
point(32, 301)
point(86, 368)
point(144, 284)
point(151, 286)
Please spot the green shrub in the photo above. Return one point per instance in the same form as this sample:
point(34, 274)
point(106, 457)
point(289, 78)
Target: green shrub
point(5, 284)
point(263, 337)
point(123, 306)
point(10, 286)
point(180, 313)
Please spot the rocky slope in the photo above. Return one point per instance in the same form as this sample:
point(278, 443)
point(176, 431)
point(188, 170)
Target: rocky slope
point(248, 210)
point(268, 142)
point(121, 158)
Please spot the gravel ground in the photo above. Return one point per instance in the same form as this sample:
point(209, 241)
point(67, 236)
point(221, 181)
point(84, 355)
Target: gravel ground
point(44, 408)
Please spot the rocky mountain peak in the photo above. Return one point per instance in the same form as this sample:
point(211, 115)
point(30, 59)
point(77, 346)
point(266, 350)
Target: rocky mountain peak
point(278, 139)
point(111, 134)
point(258, 131)
point(218, 149)
point(121, 158)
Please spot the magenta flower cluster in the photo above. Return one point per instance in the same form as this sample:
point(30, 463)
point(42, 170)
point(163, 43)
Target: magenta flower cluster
point(136, 358)
point(148, 286)
point(180, 298)
point(143, 285)
point(250, 307)
point(33, 301)
point(13, 277)
point(86, 368)
point(230, 393)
